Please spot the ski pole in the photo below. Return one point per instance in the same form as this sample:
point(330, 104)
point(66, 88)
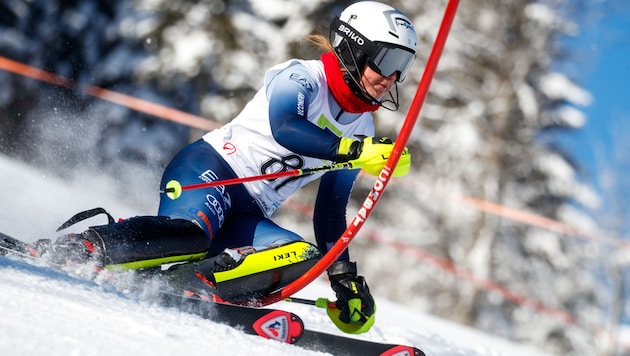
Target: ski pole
point(174, 189)
point(334, 314)
point(322, 302)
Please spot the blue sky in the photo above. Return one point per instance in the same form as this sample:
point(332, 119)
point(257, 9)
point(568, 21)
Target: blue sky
point(601, 64)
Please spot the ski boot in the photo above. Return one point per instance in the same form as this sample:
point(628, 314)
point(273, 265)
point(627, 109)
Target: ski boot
point(69, 249)
point(244, 274)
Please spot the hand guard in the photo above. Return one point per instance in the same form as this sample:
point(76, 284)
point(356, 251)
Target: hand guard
point(371, 154)
point(355, 304)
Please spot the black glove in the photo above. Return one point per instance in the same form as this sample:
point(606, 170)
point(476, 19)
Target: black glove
point(354, 301)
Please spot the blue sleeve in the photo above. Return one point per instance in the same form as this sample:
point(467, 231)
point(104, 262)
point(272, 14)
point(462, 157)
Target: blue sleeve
point(289, 95)
point(329, 219)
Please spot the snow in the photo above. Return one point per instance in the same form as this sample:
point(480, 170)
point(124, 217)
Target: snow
point(59, 313)
point(557, 85)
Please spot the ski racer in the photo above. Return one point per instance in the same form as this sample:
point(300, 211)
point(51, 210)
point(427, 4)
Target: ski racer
point(308, 113)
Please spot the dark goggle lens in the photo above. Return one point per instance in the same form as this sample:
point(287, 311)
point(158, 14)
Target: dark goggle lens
point(388, 61)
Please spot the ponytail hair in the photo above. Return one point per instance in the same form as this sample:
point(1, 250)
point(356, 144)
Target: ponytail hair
point(320, 42)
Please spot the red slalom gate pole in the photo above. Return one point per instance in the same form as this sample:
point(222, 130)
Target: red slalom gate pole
point(383, 179)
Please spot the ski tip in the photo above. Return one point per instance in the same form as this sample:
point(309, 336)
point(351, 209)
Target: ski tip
point(281, 326)
point(402, 350)
point(10, 245)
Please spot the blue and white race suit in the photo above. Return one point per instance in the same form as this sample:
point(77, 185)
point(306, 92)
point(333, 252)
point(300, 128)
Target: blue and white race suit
point(292, 122)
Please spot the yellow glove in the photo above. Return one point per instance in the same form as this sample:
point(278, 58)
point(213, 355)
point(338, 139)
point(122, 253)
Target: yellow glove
point(371, 154)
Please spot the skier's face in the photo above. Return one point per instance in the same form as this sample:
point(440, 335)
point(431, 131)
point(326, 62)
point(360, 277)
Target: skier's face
point(375, 84)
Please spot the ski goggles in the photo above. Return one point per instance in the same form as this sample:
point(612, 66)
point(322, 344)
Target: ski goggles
point(389, 60)
point(384, 58)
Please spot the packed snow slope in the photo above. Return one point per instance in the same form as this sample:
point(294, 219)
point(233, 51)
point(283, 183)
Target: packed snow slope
point(47, 312)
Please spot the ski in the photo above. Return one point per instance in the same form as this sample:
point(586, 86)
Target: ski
point(341, 345)
point(261, 322)
point(268, 323)
point(10, 245)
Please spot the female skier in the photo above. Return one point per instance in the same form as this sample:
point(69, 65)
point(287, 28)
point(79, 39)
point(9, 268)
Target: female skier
point(308, 113)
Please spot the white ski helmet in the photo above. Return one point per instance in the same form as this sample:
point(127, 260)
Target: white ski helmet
point(374, 34)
